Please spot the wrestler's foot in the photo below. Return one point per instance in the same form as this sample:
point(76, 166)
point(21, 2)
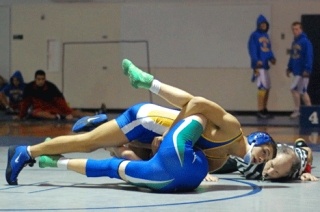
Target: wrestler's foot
point(44, 160)
point(137, 77)
point(300, 142)
point(88, 123)
point(18, 157)
point(49, 161)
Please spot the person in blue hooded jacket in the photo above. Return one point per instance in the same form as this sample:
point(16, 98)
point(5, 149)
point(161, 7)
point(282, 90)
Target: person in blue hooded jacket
point(259, 46)
point(11, 94)
point(300, 65)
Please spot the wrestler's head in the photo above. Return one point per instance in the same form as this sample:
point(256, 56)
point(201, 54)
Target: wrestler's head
point(263, 148)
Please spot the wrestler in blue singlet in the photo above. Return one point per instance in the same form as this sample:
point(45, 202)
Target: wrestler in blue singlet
point(144, 121)
point(177, 166)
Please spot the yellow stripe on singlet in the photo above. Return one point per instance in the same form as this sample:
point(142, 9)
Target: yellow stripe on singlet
point(162, 119)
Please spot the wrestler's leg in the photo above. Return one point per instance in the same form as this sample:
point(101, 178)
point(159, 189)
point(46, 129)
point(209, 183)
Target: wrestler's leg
point(106, 135)
point(138, 122)
point(89, 167)
point(140, 79)
point(132, 124)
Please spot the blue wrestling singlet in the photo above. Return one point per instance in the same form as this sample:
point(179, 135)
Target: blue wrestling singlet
point(145, 121)
point(175, 167)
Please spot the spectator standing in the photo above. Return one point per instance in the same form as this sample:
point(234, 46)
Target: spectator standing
point(300, 66)
point(259, 46)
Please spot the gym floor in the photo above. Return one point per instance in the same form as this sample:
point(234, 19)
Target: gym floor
point(60, 190)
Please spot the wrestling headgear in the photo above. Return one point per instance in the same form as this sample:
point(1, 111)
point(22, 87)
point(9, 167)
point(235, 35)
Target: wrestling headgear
point(260, 138)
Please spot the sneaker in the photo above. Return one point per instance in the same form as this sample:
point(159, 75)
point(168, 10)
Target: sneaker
point(18, 157)
point(261, 115)
point(295, 114)
point(88, 123)
point(137, 77)
point(103, 109)
point(49, 161)
point(268, 114)
point(300, 142)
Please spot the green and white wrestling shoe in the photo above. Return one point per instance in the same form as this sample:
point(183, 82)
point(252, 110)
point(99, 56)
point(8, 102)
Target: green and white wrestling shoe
point(137, 77)
point(49, 161)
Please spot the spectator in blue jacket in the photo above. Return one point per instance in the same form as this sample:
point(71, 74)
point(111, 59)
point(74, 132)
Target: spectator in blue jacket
point(261, 54)
point(11, 94)
point(300, 65)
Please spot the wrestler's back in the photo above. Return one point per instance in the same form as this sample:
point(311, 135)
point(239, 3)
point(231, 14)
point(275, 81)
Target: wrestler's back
point(218, 142)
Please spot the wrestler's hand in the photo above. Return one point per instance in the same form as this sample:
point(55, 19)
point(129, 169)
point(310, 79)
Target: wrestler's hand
point(211, 178)
point(155, 144)
point(123, 152)
point(308, 177)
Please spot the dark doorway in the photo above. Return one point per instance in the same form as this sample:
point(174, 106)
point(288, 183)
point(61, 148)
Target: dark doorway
point(311, 26)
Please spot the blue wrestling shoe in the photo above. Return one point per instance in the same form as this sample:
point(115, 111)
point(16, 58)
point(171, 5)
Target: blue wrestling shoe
point(18, 157)
point(88, 123)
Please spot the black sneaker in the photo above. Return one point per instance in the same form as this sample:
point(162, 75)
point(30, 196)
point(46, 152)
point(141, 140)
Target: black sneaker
point(267, 113)
point(261, 115)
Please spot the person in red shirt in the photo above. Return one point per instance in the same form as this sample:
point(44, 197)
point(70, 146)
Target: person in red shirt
point(44, 100)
